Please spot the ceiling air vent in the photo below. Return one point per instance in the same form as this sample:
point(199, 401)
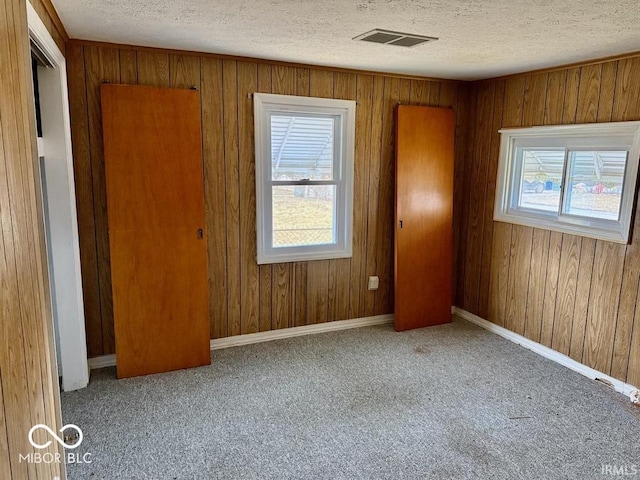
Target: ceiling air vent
point(399, 39)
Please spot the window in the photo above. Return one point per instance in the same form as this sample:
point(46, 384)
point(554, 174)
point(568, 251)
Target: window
point(578, 179)
point(304, 177)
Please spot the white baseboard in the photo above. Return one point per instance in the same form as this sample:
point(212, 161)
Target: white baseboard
point(618, 385)
point(102, 361)
point(247, 339)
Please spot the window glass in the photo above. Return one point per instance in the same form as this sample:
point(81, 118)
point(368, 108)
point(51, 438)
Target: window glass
point(541, 179)
point(595, 182)
point(304, 215)
point(302, 147)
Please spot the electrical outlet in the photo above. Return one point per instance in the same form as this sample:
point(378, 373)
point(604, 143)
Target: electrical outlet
point(374, 283)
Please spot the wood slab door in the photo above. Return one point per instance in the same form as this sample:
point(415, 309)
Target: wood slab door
point(157, 238)
point(424, 216)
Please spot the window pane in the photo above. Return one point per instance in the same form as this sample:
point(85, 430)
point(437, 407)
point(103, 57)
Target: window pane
point(304, 215)
point(595, 183)
point(301, 147)
point(541, 179)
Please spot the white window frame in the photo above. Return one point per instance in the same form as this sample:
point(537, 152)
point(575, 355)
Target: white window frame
point(599, 136)
point(344, 145)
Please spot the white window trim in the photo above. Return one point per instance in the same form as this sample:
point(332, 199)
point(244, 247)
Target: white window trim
point(610, 135)
point(264, 104)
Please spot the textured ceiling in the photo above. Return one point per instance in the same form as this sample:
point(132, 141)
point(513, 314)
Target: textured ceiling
point(478, 39)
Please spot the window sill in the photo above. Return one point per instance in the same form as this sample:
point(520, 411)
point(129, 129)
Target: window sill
point(615, 236)
point(301, 257)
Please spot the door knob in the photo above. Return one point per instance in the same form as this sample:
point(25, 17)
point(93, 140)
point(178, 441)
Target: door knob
point(400, 223)
point(200, 234)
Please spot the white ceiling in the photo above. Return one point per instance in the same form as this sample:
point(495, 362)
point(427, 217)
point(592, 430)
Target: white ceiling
point(478, 38)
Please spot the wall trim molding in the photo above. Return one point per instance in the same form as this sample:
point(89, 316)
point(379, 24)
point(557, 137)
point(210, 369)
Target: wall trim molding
point(59, 197)
point(618, 385)
point(268, 336)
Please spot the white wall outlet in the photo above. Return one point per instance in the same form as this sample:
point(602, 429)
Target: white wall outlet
point(374, 283)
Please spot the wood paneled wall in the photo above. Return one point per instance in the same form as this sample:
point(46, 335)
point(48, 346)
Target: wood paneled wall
point(573, 294)
point(28, 377)
point(245, 297)
point(49, 16)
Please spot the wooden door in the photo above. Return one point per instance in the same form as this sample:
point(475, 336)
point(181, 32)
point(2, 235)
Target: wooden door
point(155, 207)
point(424, 216)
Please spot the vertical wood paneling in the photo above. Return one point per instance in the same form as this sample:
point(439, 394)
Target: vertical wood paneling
point(461, 185)
point(487, 253)
point(626, 105)
point(588, 93)
point(522, 253)
point(184, 71)
point(633, 368)
point(475, 222)
point(232, 191)
point(5, 460)
point(500, 255)
point(582, 294)
point(603, 305)
point(507, 286)
point(419, 92)
point(128, 66)
point(153, 69)
point(78, 113)
point(570, 104)
point(245, 297)
point(565, 301)
point(535, 92)
point(214, 192)
point(583, 290)
point(434, 93)
point(101, 64)
point(551, 288)
point(607, 91)
point(555, 97)
point(249, 271)
point(358, 282)
point(340, 269)
point(28, 376)
point(503, 234)
point(523, 256)
point(447, 95)
point(501, 241)
point(384, 233)
point(517, 284)
point(373, 188)
point(627, 307)
point(537, 284)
